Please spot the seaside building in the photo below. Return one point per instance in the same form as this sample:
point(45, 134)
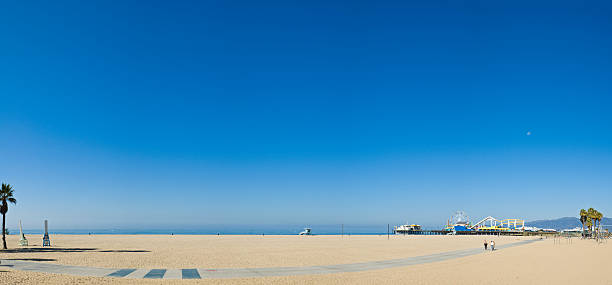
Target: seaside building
point(407, 229)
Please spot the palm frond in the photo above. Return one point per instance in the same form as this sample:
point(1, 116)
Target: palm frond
point(6, 194)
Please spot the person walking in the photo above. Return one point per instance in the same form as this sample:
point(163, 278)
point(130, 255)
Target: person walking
point(492, 245)
point(485, 244)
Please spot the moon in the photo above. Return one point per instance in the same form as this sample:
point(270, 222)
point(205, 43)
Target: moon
point(528, 133)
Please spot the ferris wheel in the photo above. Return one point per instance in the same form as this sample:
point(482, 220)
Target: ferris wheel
point(460, 217)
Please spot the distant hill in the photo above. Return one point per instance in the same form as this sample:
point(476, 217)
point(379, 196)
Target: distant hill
point(562, 223)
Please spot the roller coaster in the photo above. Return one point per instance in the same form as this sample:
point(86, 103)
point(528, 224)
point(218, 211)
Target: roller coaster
point(490, 224)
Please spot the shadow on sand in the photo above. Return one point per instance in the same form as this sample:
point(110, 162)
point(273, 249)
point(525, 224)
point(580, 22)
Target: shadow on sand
point(32, 259)
point(58, 249)
point(126, 250)
point(46, 249)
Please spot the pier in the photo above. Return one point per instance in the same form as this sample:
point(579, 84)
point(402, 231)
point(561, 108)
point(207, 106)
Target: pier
point(497, 233)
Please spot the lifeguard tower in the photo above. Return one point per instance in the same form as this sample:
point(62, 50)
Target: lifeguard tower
point(23, 241)
point(46, 241)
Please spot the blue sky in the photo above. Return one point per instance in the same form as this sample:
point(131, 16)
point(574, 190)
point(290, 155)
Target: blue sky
point(124, 114)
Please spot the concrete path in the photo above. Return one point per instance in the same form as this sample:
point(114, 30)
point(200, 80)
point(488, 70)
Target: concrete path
point(198, 273)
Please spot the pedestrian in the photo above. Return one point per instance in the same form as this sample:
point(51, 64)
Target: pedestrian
point(485, 244)
point(492, 245)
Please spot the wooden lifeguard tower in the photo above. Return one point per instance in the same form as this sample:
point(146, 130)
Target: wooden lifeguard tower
point(46, 241)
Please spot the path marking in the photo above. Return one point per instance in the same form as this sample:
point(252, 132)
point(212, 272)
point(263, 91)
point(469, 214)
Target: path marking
point(155, 274)
point(138, 274)
point(190, 274)
point(121, 272)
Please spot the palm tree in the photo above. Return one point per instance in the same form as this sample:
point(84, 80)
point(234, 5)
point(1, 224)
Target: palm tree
point(591, 215)
point(598, 218)
point(6, 196)
point(583, 219)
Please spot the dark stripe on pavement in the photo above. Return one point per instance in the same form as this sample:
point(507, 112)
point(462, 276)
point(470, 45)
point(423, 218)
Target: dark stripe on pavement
point(155, 274)
point(121, 272)
point(191, 274)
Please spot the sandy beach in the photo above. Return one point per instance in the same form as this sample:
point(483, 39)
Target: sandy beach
point(548, 261)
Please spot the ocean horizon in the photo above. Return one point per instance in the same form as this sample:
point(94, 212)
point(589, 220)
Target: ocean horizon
point(227, 230)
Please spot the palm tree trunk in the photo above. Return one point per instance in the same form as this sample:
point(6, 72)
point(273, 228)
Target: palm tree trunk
point(3, 231)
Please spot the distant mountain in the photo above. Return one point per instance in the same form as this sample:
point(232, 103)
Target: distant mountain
point(563, 223)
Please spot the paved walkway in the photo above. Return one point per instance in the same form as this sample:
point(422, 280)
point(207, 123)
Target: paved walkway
point(198, 273)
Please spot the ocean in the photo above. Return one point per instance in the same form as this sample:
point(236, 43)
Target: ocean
point(225, 230)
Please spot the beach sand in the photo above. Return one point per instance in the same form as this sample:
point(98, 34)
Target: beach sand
point(545, 262)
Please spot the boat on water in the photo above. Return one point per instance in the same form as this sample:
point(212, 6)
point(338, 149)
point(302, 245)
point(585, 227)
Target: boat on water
point(406, 229)
point(306, 232)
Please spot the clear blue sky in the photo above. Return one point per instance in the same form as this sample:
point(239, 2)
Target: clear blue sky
point(125, 113)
